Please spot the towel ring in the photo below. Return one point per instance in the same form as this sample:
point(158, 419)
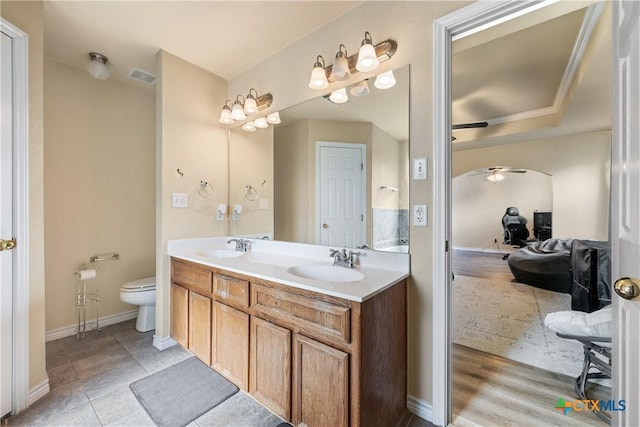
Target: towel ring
point(250, 193)
point(206, 190)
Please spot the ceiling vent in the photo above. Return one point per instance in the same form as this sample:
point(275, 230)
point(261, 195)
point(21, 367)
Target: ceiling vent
point(142, 76)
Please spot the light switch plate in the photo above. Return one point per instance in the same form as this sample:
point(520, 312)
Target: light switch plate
point(180, 200)
point(264, 203)
point(419, 169)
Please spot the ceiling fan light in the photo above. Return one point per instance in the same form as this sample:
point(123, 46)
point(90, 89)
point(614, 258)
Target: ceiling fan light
point(318, 80)
point(495, 177)
point(339, 96)
point(385, 80)
point(97, 66)
point(273, 118)
point(367, 58)
point(261, 122)
point(360, 89)
point(340, 70)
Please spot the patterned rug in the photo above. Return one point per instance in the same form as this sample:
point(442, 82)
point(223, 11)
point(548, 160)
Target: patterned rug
point(506, 319)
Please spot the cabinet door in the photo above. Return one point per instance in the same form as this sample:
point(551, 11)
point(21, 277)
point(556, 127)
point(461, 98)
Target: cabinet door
point(320, 384)
point(200, 326)
point(270, 366)
point(180, 315)
point(230, 352)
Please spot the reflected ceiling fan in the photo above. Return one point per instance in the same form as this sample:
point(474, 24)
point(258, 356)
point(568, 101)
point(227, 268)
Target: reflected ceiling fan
point(471, 125)
point(496, 173)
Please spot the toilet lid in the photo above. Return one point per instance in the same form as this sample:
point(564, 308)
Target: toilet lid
point(140, 284)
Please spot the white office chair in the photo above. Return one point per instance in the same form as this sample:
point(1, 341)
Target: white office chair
point(594, 331)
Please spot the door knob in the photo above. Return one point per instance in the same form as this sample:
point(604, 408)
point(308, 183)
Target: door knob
point(7, 245)
point(325, 225)
point(627, 288)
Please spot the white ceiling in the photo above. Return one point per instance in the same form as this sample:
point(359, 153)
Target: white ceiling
point(505, 74)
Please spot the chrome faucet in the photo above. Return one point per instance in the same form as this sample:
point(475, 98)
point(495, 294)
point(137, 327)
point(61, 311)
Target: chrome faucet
point(342, 258)
point(242, 245)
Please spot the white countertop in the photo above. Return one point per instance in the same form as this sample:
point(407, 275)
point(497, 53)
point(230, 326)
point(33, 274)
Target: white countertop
point(269, 260)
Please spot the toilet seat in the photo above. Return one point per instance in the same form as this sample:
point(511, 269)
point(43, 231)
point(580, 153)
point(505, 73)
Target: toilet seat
point(140, 285)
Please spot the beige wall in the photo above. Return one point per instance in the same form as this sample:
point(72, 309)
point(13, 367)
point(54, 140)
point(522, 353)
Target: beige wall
point(411, 25)
point(387, 159)
point(99, 188)
point(251, 163)
point(579, 168)
point(28, 16)
point(189, 138)
point(479, 205)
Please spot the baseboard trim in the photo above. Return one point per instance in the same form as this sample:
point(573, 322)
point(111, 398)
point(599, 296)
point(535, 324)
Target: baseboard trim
point(505, 250)
point(38, 392)
point(163, 343)
point(67, 331)
point(420, 408)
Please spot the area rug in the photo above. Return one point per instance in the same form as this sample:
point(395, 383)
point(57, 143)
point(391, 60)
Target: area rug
point(181, 393)
point(507, 319)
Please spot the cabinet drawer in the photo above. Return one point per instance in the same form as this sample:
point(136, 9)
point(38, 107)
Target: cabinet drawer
point(305, 314)
point(192, 277)
point(231, 290)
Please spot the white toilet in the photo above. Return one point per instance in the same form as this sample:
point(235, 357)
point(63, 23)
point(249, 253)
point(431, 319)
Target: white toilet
point(142, 292)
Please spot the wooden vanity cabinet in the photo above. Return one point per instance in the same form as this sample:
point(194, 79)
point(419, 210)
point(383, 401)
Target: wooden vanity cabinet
point(200, 326)
point(309, 357)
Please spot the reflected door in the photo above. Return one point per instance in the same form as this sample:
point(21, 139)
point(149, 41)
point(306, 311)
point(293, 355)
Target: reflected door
point(341, 182)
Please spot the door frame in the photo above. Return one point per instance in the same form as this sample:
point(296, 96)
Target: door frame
point(20, 56)
point(465, 21)
point(363, 148)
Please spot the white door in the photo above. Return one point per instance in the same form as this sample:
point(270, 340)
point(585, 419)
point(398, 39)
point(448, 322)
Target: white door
point(625, 198)
point(6, 228)
point(341, 194)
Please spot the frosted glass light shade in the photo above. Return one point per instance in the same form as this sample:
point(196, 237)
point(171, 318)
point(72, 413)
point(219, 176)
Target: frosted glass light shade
point(237, 112)
point(249, 127)
point(250, 105)
point(98, 70)
point(367, 58)
point(495, 177)
point(360, 89)
point(261, 122)
point(340, 70)
point(318, 79)
point(339, 96)
point(273, 118)
point(225, 116)
point(385, 80)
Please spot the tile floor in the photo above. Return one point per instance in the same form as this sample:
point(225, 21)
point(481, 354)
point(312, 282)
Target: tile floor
point(89, 381)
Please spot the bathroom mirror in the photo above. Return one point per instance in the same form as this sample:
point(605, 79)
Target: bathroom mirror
point(276, 174)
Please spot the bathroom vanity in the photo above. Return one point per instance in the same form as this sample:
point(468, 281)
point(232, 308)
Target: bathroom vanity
point(326, 353)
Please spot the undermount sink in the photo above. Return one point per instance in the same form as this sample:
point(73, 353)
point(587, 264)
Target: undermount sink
point(221, 253)
point(326, 273)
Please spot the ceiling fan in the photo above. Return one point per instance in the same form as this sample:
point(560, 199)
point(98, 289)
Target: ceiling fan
point(471, 125)
point(495, 173)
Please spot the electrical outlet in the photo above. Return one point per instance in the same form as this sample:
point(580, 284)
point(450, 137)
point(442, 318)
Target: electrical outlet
point(179, 200)
point(419, 169)
point(419, 215)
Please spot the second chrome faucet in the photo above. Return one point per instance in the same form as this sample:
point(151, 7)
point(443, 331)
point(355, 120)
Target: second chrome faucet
point(343, 258)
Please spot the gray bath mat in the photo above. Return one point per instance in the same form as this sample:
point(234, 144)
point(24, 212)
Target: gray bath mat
point(181, 393)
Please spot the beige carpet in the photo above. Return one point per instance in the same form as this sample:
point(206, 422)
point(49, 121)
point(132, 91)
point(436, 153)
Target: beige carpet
point(506, 319)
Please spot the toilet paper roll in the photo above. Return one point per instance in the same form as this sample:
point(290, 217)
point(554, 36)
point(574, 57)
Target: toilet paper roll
point(87, 274)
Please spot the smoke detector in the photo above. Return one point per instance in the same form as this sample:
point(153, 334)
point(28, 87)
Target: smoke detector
point(142, 76)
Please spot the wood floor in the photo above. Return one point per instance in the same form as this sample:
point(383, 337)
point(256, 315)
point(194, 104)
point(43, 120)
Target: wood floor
point(489, 390)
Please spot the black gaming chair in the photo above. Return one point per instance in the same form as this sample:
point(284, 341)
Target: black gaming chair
point(515, 228)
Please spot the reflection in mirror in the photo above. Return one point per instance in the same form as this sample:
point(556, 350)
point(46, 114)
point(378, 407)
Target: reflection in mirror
point(305, 199)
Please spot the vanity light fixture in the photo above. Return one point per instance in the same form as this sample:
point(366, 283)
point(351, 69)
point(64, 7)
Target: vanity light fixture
point(360, 89)
point(251, 105)
point(340, 69)
point(367, 58)
point(237, 111)
point(273, 118)
point(97, 66)
point(385, 80)
point(339, 96)
point(261, 122)
point(225, 114)
point(318, 79)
